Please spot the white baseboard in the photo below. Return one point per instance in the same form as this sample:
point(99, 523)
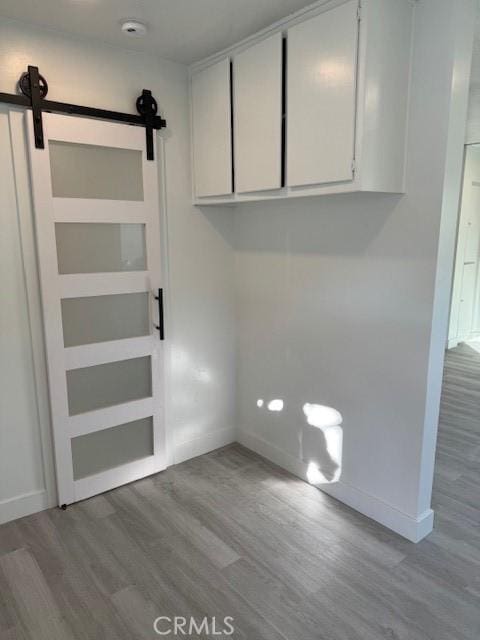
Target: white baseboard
point(203, 444)
point(24, 505)
point(414, 529)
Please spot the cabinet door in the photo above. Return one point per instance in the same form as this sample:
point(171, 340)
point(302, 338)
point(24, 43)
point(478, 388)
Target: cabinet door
point(212, 135)
point(321, 97)
point(257, 85)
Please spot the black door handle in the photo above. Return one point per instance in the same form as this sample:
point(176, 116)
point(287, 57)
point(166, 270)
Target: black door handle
point(160, 325)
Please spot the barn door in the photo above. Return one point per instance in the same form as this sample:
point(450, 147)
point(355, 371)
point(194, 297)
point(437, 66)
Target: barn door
point(98, 235)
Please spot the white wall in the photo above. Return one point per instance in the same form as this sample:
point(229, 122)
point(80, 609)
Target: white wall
point(200, 301)
point(22, 476)
point(456, 27)
point(337, 296)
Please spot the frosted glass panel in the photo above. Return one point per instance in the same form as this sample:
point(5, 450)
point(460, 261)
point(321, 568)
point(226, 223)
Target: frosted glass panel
point(105, 173)
point(103, 318)
point(104, 385)
point(109, 448)
point(98, 247)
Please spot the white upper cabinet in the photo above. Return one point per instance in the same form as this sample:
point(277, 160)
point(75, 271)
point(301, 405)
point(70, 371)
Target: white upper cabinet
point(212, 133)
point(321, 105)
point(341, 83)
point(257, 116)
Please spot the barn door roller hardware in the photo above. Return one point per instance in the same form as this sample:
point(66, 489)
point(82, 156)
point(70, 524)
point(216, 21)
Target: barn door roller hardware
point(34, 89)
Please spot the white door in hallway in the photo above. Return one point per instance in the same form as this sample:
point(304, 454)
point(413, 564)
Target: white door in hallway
point(99, 248)
point(467, 300)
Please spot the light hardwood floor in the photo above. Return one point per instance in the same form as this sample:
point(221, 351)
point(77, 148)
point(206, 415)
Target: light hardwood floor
point(228, 534)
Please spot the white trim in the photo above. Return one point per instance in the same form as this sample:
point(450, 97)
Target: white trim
point(203, 444)
point(352, 186)
point(414, 529)
point(25, 505)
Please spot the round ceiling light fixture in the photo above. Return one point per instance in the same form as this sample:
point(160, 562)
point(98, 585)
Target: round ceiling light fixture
point(134, 29)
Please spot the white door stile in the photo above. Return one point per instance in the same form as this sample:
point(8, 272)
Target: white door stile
point(167, 354)
point(159, 438)
point(49, 282)
point(54, 287)
point(153, 235)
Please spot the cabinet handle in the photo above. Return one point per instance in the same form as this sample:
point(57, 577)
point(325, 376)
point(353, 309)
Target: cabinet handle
point(160, 326)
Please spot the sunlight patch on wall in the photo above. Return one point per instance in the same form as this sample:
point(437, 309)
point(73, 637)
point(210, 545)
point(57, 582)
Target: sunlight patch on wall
point(322, 443)
point(318, 415)
point(275, 405)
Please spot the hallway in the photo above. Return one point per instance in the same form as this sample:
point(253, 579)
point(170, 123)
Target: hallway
point(456, 496)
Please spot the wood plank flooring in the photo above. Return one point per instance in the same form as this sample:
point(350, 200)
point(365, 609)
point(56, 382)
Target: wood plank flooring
point(228, 534)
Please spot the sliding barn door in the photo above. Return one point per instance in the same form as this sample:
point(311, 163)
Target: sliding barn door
point(98, 234)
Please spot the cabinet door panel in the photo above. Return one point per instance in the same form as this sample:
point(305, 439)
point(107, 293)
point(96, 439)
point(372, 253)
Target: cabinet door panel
point(321, 97)
point(212, 144)
point(257, 82)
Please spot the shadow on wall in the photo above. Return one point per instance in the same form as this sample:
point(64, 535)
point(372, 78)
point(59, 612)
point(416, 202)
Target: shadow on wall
point(220, 218)
point(340, 225)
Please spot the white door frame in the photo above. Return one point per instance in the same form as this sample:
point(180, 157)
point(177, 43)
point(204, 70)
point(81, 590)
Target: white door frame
point(54, 286)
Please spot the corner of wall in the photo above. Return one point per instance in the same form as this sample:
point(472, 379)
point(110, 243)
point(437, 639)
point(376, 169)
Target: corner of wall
point(409, 527)
point(204, 444)
point(462, 25)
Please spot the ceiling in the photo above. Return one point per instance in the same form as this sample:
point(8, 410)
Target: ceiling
point(181, 30)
